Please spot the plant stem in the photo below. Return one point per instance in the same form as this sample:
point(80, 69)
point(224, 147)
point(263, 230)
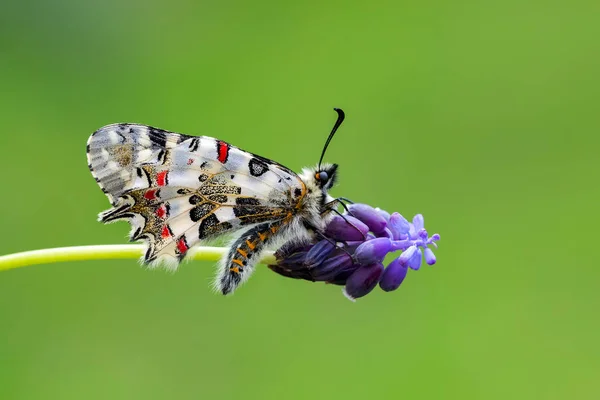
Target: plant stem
point(102, 252)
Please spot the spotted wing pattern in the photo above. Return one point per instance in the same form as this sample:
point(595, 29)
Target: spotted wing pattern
point(176, 190)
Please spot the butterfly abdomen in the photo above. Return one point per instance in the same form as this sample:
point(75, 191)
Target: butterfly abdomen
point(244, 254)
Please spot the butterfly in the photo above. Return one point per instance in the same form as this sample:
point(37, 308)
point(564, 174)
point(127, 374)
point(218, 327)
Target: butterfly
point(178, 191)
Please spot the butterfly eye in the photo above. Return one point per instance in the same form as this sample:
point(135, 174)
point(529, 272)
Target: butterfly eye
point(323, 176)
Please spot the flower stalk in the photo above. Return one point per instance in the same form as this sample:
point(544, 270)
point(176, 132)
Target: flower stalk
point(101, 252)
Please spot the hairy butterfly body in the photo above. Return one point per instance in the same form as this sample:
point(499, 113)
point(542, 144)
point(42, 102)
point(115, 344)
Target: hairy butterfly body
point(178, 191)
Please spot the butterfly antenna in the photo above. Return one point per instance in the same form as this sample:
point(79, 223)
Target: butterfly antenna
point(339, 121)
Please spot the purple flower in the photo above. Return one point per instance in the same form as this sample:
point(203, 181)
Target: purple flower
point(354, 248)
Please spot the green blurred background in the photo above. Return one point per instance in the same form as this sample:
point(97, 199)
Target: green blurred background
point(482, 115)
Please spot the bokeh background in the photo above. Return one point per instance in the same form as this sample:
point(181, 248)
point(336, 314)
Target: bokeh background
point(482, 115)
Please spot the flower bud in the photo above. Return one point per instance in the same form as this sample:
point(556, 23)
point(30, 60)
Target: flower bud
point(363, 280)
point(393, 276)
point(295, 260)
point(318, 253)
point(398, 225)
point(372, 251)
point(383, 213)
point(348, 229)
point(296, 274)
point(332, 267)
point(387, 233)
point(367, 214)
point(342, 276)
point(290, 248)
point(407, 255)
point(415, 260)
point(418, 222)
point(429, 256)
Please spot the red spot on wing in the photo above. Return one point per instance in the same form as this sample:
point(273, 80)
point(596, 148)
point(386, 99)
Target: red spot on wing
point(222, 151)
point(161, 212)
point(190, 161)
point(166, 232)
point(182, 246)
point(161, 178)
point(150, 194)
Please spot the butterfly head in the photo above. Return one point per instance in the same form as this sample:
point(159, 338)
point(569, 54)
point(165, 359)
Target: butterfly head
point(325, 176)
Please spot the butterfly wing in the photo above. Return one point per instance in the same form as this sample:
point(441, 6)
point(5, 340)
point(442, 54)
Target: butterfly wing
point(176, 190)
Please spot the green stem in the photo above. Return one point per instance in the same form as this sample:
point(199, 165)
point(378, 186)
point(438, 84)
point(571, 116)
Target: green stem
point(102, 252)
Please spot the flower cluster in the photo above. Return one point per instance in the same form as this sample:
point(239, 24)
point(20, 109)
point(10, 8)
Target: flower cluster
point(353, 250)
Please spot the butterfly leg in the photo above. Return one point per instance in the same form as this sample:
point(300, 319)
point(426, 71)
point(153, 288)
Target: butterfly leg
point(238, 264)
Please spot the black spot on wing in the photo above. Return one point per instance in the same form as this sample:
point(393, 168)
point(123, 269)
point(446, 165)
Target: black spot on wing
point(195, 199)
point(136, 234)
point(194, 144)
point(161, 156)
point(218, 198)
point(207, 190)
point(257, 167)
point(207, 226)
point(271, 162)
point(148, 257)
point(246, 206)
point(247, 201)
point(297, 192)
point(201, 211)
point(158, 136)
